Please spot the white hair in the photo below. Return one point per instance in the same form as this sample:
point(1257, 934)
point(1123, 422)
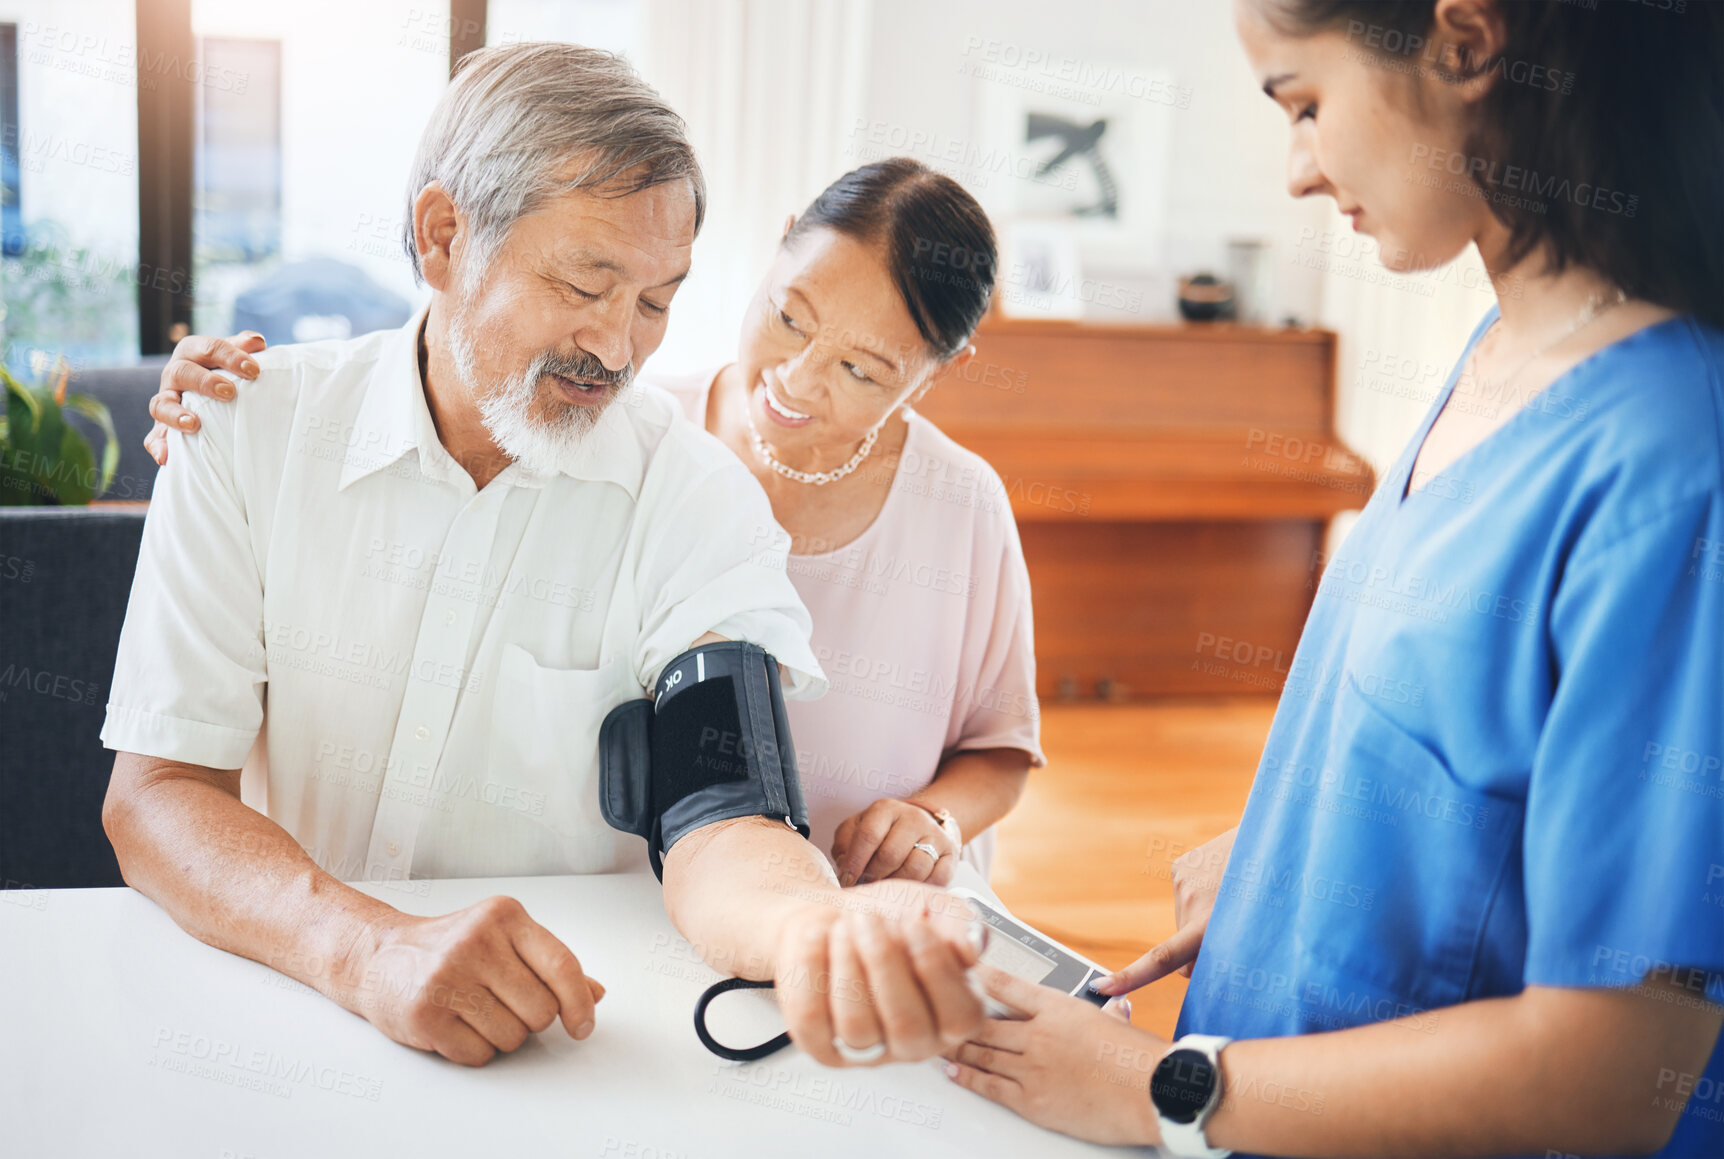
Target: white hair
point(521, 123)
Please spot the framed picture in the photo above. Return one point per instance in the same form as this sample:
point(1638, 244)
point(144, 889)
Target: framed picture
point(1089, 155)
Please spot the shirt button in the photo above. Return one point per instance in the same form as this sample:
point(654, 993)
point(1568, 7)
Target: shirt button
point(421, 733)
point(449, 617)
point(394, 848)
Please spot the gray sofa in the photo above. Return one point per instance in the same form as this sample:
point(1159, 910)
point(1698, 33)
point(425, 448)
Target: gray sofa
point(65, 575)
point(127, 392)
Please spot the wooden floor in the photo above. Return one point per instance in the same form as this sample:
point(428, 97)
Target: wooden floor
point(1085, 857)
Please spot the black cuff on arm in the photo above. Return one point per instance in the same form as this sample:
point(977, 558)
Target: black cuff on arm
point(714, 744)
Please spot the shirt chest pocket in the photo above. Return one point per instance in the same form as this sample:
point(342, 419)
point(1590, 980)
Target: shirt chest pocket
point(542, 762)
point(1402, 867)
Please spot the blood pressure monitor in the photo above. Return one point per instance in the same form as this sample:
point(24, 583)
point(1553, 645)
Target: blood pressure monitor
point(1025, 953)
point(1011, 946)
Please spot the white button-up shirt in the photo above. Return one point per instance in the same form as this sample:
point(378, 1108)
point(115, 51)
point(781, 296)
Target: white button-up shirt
point(435, 659)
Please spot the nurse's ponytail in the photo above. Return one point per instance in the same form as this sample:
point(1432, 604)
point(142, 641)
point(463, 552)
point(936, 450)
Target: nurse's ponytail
point(1602, 138)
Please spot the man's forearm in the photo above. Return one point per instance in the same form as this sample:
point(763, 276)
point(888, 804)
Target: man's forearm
point(730, 888)
point(230, 876)
point(1566, 1070)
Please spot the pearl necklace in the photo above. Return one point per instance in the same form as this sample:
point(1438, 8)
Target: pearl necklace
point(818, 478)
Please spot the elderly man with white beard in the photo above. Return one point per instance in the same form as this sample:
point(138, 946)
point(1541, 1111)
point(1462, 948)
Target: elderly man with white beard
point(409, 574)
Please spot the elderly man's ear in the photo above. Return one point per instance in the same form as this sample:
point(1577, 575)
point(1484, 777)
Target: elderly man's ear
point(437, 230)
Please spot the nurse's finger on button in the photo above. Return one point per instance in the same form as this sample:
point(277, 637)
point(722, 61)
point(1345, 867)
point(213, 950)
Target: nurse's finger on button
point(853, 1017)
point(1179, 950)
point(958, 1011)
point(901, 1007)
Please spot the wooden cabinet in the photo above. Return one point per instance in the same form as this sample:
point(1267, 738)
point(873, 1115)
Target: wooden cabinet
point(1172, 485)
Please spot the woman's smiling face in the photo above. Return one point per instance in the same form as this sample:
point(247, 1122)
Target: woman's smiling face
point(828, 347)
point(1376, 134)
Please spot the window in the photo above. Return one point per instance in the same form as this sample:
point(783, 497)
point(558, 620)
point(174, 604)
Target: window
point(11, 224)
point(236, 226)
point(69, 222)
point(307, 121)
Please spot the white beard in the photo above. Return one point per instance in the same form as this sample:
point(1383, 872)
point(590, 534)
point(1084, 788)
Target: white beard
point(543, 445)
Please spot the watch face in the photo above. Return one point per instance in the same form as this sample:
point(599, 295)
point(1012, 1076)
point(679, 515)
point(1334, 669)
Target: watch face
point(1181, 1085)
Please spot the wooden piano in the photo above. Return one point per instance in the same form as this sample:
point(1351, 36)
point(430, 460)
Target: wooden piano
point(1172, 484)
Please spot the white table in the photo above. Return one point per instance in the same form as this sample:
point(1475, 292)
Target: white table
point(123, 1036)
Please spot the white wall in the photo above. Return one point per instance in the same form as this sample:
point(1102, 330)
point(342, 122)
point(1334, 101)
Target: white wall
point(769, 89)
point(1226, 146)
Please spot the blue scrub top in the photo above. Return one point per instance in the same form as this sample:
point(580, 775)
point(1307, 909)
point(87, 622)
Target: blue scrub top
point(1498, 758)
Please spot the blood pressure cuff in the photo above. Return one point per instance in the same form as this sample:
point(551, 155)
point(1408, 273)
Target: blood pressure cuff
point(713, 744)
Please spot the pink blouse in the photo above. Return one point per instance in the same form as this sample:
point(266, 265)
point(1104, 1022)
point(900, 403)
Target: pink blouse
point(923, 626)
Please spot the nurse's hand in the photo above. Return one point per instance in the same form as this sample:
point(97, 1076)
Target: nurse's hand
point(189, 369)
point(1066, 1066)
point(885, 974)
point(1196, 882)
point(882, 842)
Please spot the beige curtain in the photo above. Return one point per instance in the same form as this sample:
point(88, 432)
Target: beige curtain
point(771, 90)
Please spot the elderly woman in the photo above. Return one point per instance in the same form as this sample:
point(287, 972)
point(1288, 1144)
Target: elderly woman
point(903, 544)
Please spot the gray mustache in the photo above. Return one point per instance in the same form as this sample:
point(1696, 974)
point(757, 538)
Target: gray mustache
point(583, 366)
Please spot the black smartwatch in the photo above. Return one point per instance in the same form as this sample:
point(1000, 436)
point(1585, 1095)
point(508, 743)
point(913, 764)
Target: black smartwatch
point(1185, 1090)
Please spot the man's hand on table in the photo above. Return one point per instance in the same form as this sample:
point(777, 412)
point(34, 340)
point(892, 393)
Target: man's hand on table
point(888, 965)
point(468, 984)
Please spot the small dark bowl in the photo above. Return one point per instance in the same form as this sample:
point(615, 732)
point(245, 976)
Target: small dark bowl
point(1205, 298)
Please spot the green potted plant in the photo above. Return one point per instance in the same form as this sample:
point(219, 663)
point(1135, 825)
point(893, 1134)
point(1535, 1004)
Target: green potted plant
point(44, 459)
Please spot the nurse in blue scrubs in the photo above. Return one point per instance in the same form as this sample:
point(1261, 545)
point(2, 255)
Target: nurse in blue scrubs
point(1475, 905)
